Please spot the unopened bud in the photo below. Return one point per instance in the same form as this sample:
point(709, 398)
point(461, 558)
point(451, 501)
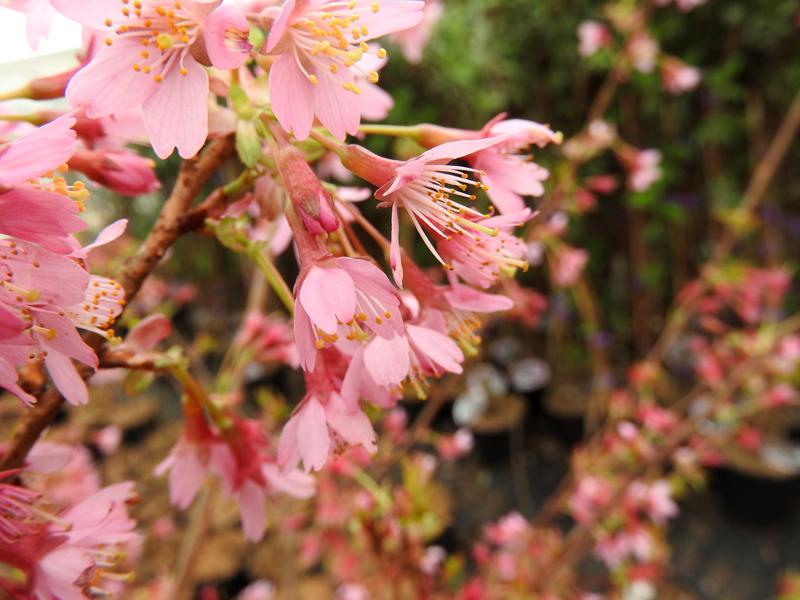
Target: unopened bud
point(308, 197)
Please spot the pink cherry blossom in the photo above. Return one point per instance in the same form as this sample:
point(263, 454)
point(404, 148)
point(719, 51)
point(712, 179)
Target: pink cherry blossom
point(644, 168)
point(568, 266)
point(431, 191)
point(344, 296)
point(642, 51)
point(481, 253)
point(678, 77)
point(591, 495)
point(593, 37)
point(239, 456)
point(505, 170)
point(318, 44)
point(150, 61)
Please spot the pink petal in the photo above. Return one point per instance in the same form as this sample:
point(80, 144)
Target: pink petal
point(288, 449)
point(437, 347)
point(66, 378)
point(292, 482)
point(391, 16)
point(466, 298)
point(313, 440)
point(387, 361)
point(353, 426)
point(59, 570)
point(107, 235)
point(89, 13)
point(327, 295)
point(280, 25)
point(304, 338)
point(452, 150)
point(109, 84)
point(292, 97)
point(251, 507)
point(176, 114)
point(45, 218)
point(149, 331)
point(34, 154)
point(66, 339)
point(185, 479)
point(338, 109)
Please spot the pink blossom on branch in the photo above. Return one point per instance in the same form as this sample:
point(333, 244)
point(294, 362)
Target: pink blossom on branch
point(432, 192)
point(593, 37)
point(318, 44)
point(154, 58)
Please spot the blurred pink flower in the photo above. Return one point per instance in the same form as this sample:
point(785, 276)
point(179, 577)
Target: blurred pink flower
point(413, 40)
point(593, 37)
point(678, 77)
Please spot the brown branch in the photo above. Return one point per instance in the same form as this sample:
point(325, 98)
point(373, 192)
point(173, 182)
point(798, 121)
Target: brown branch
point(193, 175)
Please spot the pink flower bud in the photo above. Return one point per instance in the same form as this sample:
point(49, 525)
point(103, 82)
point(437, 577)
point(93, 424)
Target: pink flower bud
point(311, 202)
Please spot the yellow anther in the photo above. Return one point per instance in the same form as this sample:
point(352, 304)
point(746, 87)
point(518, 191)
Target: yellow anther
point(109, 41)
point(381, 53)
point(375, 7)
point(313, 79)
point(373, 77)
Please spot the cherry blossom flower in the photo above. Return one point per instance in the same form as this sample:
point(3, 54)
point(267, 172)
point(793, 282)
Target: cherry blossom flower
point(61, 556)
point(430, 190)
point(154, 58)
point(678, 77)
point(239, 456)
point(506, 171)
point(480, 255)
point(642, 51)
point(49, 217)
point(593, 37)
point(644, 167)
point(344, 296)
point(318, 44)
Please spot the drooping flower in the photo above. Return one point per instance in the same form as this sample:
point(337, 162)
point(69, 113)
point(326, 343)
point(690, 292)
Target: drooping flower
point(240, 456)
point(154, 58)
point(344, 296)
point(431, 191)
point(64, 555)
point(506, 168)
point(318, 44)
point(328, 416)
